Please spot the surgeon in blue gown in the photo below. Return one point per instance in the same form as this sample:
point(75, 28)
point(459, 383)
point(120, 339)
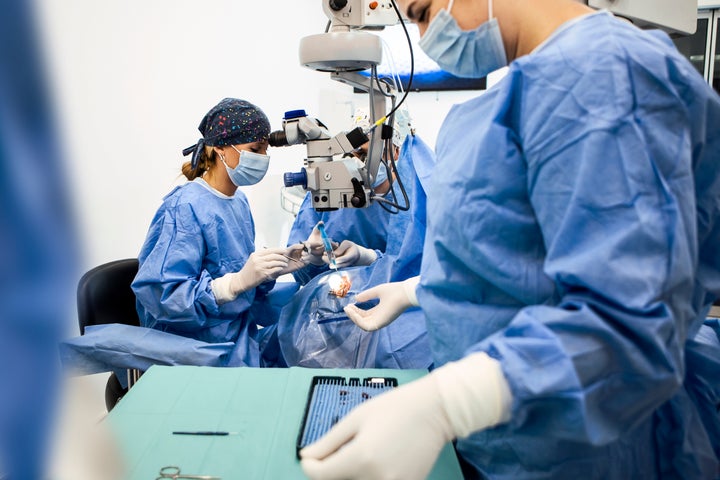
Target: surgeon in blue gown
point(313, 329)
point(571, 258)
point(200, 276)
point(364, 230)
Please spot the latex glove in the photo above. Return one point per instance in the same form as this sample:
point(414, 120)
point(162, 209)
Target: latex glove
point(294, 254)
point(399, 434)
point(348, 254)
point(261, 266)
point(314, 248)
point(395, 298)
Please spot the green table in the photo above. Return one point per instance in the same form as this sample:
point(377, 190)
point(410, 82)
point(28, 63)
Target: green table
point(265, 405)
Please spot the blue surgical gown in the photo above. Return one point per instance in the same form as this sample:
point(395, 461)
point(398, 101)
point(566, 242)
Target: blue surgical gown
point(197, 235)
point(574, 235)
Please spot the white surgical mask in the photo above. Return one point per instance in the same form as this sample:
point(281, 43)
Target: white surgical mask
point(251, 168)
point(464, 53)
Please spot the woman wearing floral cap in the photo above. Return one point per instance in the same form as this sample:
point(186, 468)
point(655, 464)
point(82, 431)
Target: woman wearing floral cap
point(200, 276)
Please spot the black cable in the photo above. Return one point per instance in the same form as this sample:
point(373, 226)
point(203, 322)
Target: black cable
point(389, 117)
point(382, 201)
point(412, 60)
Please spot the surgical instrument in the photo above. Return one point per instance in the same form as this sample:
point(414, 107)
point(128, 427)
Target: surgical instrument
point(331, 398)
point(205, 432)
point(291, 258)
point(328, 245)
point(174, 473)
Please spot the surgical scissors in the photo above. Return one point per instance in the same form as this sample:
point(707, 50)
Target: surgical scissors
point(174, 473)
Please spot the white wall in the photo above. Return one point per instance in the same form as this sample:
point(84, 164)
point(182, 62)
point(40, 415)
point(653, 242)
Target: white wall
point(133, 78)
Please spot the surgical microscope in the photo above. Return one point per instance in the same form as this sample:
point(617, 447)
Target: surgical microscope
point(346, 48)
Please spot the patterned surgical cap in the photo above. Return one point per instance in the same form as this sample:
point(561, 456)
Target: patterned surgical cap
point(230, 122)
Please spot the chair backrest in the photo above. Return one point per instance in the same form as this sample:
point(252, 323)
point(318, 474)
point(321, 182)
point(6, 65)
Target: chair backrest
point(104, 294)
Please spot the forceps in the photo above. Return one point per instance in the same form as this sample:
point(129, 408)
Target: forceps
point(174, 472)
point(291, 258)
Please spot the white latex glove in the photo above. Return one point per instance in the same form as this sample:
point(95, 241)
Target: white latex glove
point(395, 298)
point(294, 254)
point(399, 434)
point(348, 254)
point(261, 266)
point(314, 248)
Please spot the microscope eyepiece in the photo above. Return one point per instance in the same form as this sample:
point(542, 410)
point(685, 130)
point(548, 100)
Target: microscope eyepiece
point(278, 139)
point(338, 4)
point(356, 137)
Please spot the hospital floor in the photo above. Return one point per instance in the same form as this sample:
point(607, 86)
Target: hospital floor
point(82, 448)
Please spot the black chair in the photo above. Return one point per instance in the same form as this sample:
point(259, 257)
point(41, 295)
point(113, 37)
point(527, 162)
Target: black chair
point(104, 296)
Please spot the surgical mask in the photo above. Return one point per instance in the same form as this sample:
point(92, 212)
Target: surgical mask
point(251, 168)
point(355, 164)
point(381, 174)
point(464, 53)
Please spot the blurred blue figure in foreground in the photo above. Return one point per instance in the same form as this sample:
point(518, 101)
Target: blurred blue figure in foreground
point(314, 331)
point(37, 250)
point(571, 258)
point(364, 230)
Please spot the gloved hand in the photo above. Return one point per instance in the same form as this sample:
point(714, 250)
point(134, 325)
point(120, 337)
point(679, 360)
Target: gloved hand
point(314, 248)
point(261, 266)
point(350, 253)
point(294, 254)
point(400, 433)
point(394, 298)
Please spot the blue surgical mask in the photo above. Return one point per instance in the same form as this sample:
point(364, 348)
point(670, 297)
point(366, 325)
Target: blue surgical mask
point(381, 175)
point(250, 169)
point(464, 53)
